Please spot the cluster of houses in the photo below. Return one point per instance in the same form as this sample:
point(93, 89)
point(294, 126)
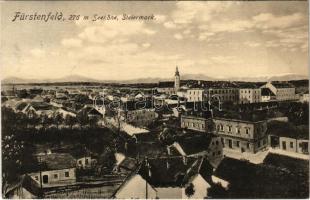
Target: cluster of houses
point(188, 166)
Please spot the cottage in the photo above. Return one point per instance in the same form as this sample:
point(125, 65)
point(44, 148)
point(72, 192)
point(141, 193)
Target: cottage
point(170, 177)
point(55, 169)
point(24, 188)
point(288, 137)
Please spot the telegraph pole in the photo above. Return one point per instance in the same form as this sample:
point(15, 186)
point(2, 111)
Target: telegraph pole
point(40, 170)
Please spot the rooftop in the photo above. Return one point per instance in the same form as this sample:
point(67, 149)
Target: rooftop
point(56, 161)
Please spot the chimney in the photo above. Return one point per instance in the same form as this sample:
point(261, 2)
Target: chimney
point(168, 150)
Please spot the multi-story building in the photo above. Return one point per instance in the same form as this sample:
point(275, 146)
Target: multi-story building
point(195, 95)
point(283, 91)
point(242, 135)
point(249, 95)
point(198, 122)
point(138, 114)
point(226, 94)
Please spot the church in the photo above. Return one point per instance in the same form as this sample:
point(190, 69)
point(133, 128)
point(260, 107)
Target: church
point(169, 87)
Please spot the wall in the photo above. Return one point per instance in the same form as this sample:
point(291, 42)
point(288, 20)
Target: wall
point(195, 123)
point(284, 94)
point(195, 95)
point(81, 162)
point(288, 142)
point(200, 186)
point(52, 180)
point(224, 94)
point(169, 193)
point(300, 149)
point(238, 128)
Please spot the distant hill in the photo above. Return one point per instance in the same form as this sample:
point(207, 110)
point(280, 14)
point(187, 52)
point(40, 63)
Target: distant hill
point(78, 78)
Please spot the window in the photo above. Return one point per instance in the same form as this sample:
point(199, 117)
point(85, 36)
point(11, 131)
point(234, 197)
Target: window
point(291, 145)
point(237, 143)
point(80, 162)
point(45, 178)
point(217, 142)
point(213, 153)
point(36, 178)
point(248, 145)
point(283, 145)
point(247, 130)
point(86, 161)
point(238, 130)
point(66, 174)
point(229, 128)
point(219, 152)
point(55, 176)
point(221, 127)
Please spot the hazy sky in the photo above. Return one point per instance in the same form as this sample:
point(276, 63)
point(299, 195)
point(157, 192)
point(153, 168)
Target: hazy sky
point(218, 39)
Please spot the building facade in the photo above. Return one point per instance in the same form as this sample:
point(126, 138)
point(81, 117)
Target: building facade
point(249, 95)
point(195, 95)
point(222, 94)
point(196, 123)
point(242, 136)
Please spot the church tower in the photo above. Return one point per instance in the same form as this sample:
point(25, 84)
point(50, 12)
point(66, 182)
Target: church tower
point(176, 80)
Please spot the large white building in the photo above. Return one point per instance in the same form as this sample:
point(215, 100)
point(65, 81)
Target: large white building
point(249, 95)
point(283, 91)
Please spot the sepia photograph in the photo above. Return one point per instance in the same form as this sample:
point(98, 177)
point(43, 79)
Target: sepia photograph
point(154, 99)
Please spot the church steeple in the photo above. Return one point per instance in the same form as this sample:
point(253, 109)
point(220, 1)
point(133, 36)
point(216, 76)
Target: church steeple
point(177, 71)
point(177, 80)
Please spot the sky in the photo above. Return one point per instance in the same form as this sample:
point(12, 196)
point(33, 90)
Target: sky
point(217, 39)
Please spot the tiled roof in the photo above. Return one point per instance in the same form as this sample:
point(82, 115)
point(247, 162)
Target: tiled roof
point(173, 171)
point(282, 85)
point(28, 183)
point(195, 144)
point(56, 161)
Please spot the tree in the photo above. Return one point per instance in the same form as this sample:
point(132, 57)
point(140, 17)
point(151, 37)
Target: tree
point(190, 190)
point(107, 160)
point(33, 120)
point(70, 121)
point(93, 121)
point(45, 121)
point(58, 119)
point(82, 118)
